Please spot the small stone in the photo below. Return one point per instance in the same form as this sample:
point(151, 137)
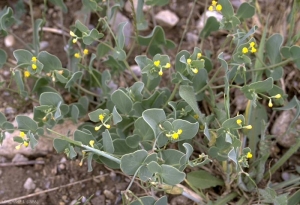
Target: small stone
point(44, 45)
point(38, 190)
point(64, 198)
point(201, 22)
point(73, 202)
point(281, 125)
point(9, 41)
point(108, 194)
point(6, 73)
point(98, 200)
point(10, 110)
point(192, 38)
point(102, 178)
point(121, 186)
point(166, 18)
point(29, 184)
point(112, 175)
point(178, 200)
point(285, 176)
point(63, 160)
point(19, 158)
point(136, 70)
point(61, 166)
point(0, 172)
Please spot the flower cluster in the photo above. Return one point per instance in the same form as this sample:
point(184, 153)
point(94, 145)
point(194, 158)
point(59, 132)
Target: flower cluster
point(25, 141)
point(215, 6)
point(26, 74)
point(190, 63)
point(33, 65)
point(251, 47)
point(240, 123)
point(174, 135)
point(158, 65)
point(85, 52)
point(270, 104)
point(103, 121)
point(75, 38)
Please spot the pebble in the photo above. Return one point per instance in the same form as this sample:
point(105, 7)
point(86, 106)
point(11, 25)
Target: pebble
point(178, 200)
point(136, 70)
point(61, 166)
point(166, 18)
point(29, 184)
point(112, 175)
point(73, 202)
point(285, 176)
point(63, 160)
point(201, 22)
point(9, 41)
point(44, 45)
point(19, 158)
point(10, 110)
point(108, 194)
point(119, 18)
point(0, 172)
point(192, 38)
point(98, 200)
point(6, 73)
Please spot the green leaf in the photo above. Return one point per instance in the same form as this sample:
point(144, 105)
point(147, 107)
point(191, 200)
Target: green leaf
point(295, 54)
point(146, 200)
point(231, 123)
point(189, 151)
point(32, 141)
point(227, 9)
point(120, 35)
point(72, 153)
point(89, 160)
point(130, 163)
point(157, 2)
point(94, 116)
point(189, 130)
point(92, 36)
point(116, 116)
point(245, 11)
point(172, 157)
point(50, 62)
point(107, 142)
point(211, 25)
point(133, 140)
point(171, 175)
point(26, 123)
point(186, 92)
point(153, 117)
point(262, 86)
point(36, 37)
point(20, 84)
point(142, 61)
point(6, 19)
point(154, 167)
point(61, 4)
point(60, 145)
point(202, 179)
point(143, 129)
point(83, 136)
point(8, 127)
point(3, 58)
point(49, 98)
point(76, 76)
point(162, 201)
point(81, 27)
point(141, 22)
point(23, 57)
point(102, 50)
point(273, 45)
point(2, 118)
point(122, 101)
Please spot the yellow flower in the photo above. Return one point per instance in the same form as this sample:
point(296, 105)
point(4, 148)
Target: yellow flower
point(34, 66)
point(175, 136)
point(196, 116)
point(156, 63)
point(168, 65)
point(277, 96)
point(72, 34)
point(74, 40)
point(26, 73)
point(214, 3)
point(210, 8)
point(60, 72)
point(253, 50)
point(85, 51)
point(25, 143)
point(195, 70)
point(270, 104)
point(107, 126)
point(77, 55)
point(199, 55)
point(245, 50)
point(101, 117)
point(22, 134)
point(248, 127)
point(189, 61)
point(160, 73)
point(92, 142)
point(252, 44)
point(219, 7)
point(18, 147)
point(34, 59)
point(98, 127)
point(249, 155)
point(239, 121)
point(179, 131)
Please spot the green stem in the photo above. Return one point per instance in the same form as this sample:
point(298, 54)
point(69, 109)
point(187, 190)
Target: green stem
point(226, 199)
point(21, 41)
point(172, 94)
point(210, 81)
point(132, 180)
point(186, 25)
point(272, 66)
point(283, 159)
point(32, 24)
point(86, 91)
point(101, 153)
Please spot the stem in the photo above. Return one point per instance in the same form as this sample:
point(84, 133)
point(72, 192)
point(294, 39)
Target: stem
point(226, 199)
point(283, 159)
point(32, 24)
point(210, 81)
point(86, 91)
point(21, 41)
point(101, 153)
point(272, 66)
point(132, 180)
point(186, 25)
point(172, 94)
